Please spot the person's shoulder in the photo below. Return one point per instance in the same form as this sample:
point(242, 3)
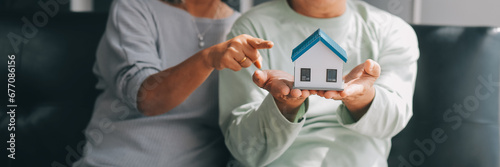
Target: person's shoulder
point(137, 2)
point(376, 18)
point(374, 15)
point(369, 13)
point(264, 11)
point(134, 4)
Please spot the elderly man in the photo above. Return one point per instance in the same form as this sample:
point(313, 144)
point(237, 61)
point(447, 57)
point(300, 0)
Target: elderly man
point(282, 126)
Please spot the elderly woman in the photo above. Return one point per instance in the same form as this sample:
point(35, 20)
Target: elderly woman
point(155, 65)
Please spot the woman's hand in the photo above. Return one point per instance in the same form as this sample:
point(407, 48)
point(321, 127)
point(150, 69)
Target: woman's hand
point(165, 90)
point(239, 52)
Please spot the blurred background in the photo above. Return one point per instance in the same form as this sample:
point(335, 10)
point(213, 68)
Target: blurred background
point(426, 12)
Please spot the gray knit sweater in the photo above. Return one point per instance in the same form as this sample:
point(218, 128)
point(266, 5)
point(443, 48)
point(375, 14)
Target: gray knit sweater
point(143, 37)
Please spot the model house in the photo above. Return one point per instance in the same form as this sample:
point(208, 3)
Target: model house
point(319, 62)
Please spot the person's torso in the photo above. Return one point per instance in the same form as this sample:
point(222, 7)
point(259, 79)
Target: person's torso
point(323, 141)
point(187, 135)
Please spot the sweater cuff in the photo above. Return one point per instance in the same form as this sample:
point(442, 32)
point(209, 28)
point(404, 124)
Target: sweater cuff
point(134, 83)
point(345, 118)
point(302, 111)
point(271, 111)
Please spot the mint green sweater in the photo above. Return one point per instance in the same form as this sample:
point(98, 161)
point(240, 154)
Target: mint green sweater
point(257, 134)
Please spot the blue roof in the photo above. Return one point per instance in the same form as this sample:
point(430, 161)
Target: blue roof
point(317, 36)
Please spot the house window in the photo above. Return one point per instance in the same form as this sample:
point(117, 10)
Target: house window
point(331, 75)
point(305, 74)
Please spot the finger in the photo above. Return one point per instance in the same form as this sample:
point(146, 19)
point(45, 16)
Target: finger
point(278, 89)
point(236, 50)
point(229, 59)
point(352, 90)
point(245, 62)
point(250, 52)
point(295, 93)
point(328, 94)
point(332, 95)
point(313, 92)
point(258, 63)
point(372, 68)
point(259, 78)
point(258, 43)
point(337, 95)
point(240, 57)
point(305, 93)
point(232, 64)
point(356, 72)
point(320, 93)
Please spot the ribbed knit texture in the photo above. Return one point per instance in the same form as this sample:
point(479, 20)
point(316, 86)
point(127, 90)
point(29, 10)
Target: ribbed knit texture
point(143, 37)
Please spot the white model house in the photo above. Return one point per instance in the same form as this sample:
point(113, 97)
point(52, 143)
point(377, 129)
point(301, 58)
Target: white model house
point(319, 62)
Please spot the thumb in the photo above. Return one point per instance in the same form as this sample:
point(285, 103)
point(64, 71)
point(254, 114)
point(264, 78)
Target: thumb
point(259, 78)
point(372, 68)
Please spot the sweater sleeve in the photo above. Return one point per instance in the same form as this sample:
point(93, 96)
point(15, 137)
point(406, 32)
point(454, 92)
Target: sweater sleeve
point(127, 53)
point(391, 109)
point(255, 131)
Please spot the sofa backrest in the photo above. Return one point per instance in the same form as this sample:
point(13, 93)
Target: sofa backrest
point(55, 86)
point(456, 100)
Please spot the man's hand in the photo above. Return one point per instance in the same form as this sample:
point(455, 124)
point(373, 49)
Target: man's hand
point(280, 85)
point(358, 91)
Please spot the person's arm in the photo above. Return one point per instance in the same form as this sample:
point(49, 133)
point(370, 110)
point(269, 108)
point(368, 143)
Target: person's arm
point(127, 53)
point(257, 127)
point(163, 91)
point(129, 63)
point(256, 131)
point(377, 101)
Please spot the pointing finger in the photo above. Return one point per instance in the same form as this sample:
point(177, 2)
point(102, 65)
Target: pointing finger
point(258, 43)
